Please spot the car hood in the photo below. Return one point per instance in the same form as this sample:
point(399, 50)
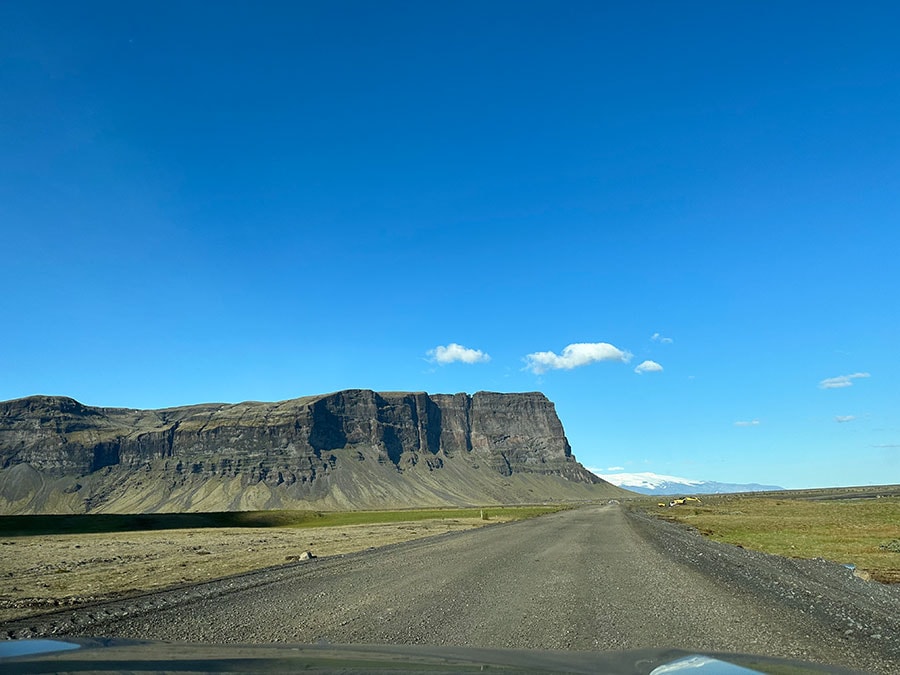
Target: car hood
point(97, 655)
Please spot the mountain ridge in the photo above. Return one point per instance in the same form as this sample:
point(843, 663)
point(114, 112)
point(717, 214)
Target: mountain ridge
point(649, 483)
point(353, 448)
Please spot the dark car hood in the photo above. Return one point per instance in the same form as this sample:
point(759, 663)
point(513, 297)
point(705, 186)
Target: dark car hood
point(92, 655)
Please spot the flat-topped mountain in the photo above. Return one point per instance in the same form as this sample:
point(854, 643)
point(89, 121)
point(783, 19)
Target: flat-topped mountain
point(349, 449)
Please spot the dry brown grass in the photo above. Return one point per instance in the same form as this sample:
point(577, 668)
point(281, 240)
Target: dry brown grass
point(44, 572)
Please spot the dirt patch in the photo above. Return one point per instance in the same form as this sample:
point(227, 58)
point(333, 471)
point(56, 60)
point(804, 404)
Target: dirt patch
point(45, 573)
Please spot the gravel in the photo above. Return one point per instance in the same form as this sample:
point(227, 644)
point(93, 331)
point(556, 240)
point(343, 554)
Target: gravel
point(597, 578)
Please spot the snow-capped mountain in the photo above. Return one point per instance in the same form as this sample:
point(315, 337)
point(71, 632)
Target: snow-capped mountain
point(657, 484)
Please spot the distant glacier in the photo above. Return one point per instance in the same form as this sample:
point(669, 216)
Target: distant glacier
point(656, 484)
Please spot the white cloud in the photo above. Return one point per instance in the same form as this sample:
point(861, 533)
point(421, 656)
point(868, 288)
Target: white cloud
point(574, 356)
point(747, 423)
point(648, 367)
point(841, 381)
point(615, 468)
point(454, 352)
point(844, 418)
point(887, 445)
point(656, 337)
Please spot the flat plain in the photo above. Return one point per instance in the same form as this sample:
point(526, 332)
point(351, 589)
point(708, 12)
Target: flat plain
point(599, 578)
point(856, 527)
point(603, 577)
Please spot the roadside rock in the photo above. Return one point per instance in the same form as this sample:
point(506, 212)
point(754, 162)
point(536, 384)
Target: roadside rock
point(306, 555)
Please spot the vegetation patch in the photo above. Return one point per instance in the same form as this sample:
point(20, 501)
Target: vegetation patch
point(19, 526)
point(860, 532)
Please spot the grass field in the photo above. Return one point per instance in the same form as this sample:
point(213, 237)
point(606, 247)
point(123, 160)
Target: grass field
point(864, 532)
point(18, 526)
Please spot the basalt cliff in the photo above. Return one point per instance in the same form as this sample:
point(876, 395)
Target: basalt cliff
point(350, 449)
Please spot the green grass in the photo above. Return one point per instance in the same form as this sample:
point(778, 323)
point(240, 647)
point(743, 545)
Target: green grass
point(848, 531)
point(18, 526)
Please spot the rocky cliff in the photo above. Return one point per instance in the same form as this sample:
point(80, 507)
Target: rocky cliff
point(350, 449)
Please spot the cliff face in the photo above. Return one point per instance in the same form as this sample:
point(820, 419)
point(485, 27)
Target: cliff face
point(353, 448)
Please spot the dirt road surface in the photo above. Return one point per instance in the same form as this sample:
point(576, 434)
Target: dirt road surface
point(598, 578)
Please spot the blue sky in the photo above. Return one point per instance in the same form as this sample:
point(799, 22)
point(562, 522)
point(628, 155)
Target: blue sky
point(269, 200)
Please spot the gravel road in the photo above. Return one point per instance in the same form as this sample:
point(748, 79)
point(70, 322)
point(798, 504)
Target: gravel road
point(597, 578)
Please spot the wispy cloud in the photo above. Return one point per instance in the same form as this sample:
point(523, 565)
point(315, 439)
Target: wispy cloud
point(844, 418)
point(841, 381)
point(456, 353)
point(574, 356)
point(648, 367)
point(615, 468)
point(747, 423)
point(887, 445)
point(656, 337)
